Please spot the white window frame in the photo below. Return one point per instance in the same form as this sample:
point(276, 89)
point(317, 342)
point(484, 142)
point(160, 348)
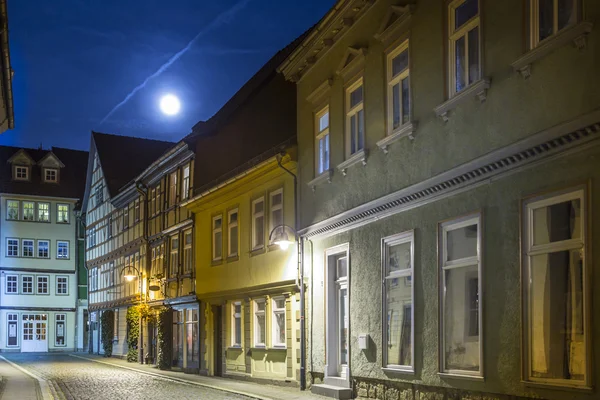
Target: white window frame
point(273, 208)
point(46, 175)
point(58, 285)
point(37, 284)
point(40, 241)
point(397, 80)
point(350, 112)
point(534, 21)
point(47, 214)
point(16, 282)
point(174, 256)
point(58, 256)
point(12, 317)
point(60, 318)
point(32, 210)
point(33, 282)
point(16, 242)
point(18, 170)
point(255, 216)
point(64, 212)
point(235, 316)
point(32, 241)
point(230, 225)
point(188, 255)
point(215, 230)
point(456, 34)
point(256, 313)
point(185, 182)
point(173, 182)
point(404, 274)
point(444, 265)
point(320, 166)
point(530, 250)
point(274, 312)
point(8, 208)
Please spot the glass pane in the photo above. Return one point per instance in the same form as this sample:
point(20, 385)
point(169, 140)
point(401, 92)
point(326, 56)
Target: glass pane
point(405, 101)
point(353, 134)
point(277, 218)
point(259, 207)
point(260, 329)
point(217, 223)
point(260, 306)
point(238, 330)
point(566, 13)
point(460, 64)
point(343, 324)
point(400, 63)
point(465, 12)
point(356, 96)
point(396, 106)
point(361, 130)
point(557, 222)
point(461, 243)
point(218, 244)
point(399, 320)
point(461, 345)
point(233, 239)
point(232, 217)
point(320, 167)
point(545, 18)
point(193, 353)
point(324, 122)
point(280, 328)
point(556, 316)
point(473, 39)
point(276, 199)
point(398, 257)
point(326, 154)
point(280, 303)
point(259, 231)
point(341, 267)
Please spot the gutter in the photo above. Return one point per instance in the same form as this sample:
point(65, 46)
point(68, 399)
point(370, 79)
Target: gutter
point(6, 68)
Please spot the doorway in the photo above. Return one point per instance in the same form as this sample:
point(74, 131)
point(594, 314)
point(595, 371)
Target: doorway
point(218, 340)
point(35, 333)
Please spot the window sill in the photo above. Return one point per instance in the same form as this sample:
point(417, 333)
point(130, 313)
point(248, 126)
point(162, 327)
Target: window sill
point(259, 347)
point(557, 386)
point(321, 179)
point(477, 89)
point(233, 258)
point(358, 157)
point(406, 130)
point(576, 34)
point(465, 376)
point(235, 348)
point(392, 370)
point(215, 263)
point(278, 348)
point(257, 251)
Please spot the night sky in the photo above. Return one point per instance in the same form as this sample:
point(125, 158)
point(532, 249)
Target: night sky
point(75, 60)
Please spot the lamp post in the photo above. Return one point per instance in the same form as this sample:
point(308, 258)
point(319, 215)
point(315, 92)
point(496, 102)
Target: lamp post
point(130, 272)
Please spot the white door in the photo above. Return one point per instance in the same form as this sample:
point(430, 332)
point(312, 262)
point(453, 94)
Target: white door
point(35, 333)
point(341, 318)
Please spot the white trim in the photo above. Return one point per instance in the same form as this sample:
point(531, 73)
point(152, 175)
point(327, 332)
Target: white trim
point(33, 283)
point(255, 314)
point(274, 311)
point(231, 225)
point(320, 166)
point(16, 321)
point(406, 130)
point(477, 89)
point(358, 157)
point(18, 242)
point(57, 291)
point(214, 232)
point(38, 248)
point(233, 318)
point(21, 167)
point(58, 256)
point(273, 208)
point(64, 321)
point(37, 284)
point(255, 215)
point(6, 284)
point(391, 82)
point(353, 111)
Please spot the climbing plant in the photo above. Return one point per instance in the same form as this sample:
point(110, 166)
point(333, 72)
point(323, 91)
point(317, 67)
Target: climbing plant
point(107, 321)
point(135, 315)
point(165, 326)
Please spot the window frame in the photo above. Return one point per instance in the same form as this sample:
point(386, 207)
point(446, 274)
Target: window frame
point(58, 243)
point(37, 285)
point(188, 254)
point(174, 256)
point(185, 181)
point(32, 210)
point(230, 226)
point(255, 216)
point(46, 171)
point(173, 187)
point(234, 342)
point(38, 204)
point(38, 248)
point(391, 81)
point(6, 286)
point(386, 242)
point(534, 22)
point(32, 247)
point(33, 282)
point(65, 212)
point(349, 112)
point(57, 285)
point(8, 208)
point(214, 232)
point(475, 218)
point(61, 317)
point(273, 208)
point(18, 244)
point(12, 317)
point(529, 249)
point(274, 311)
point(22, 168)
point(255, 314)
point(320, 168)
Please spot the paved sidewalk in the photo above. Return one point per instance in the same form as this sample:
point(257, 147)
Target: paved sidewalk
point(249, 389)
point(15, 384)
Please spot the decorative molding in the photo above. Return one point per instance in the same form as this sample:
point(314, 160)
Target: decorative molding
point(576, 34)
point(320, 92)
point(396, 18)
point(358, 157)
point(353, 60)
point(18, 270)
point(477, 89)
point(560, 140)
point(321, 179)
point(406, 130)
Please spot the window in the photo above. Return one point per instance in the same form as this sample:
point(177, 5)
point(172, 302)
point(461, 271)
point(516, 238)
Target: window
point(12, 247)
point(157, 261)
point(43, 212)
point(61, 321)
point(126, 217)
point(185, 183)
point(99, 194)
point(322, 140)
point(173, 189)
point(21, 173)
point(236, 322)
point(188, 255)
point(398, 304)
point(258, 223)
point(12, 209)
point(174, 257)
point(259, 323)
point(43, 249)
point(109, 228)
point(12, 322)
point(463, 49)
point(152, 206)
point(355, 121)
point(460, 297)
point(62, 285)
point(556, 312)
point(548, 17)
point(398, 88)
point(217, 238)
point(12, 284)
point(91, 238)
point(62, 216)
point(278, 307)
point(50, 175)
point(136, 211)
point(232, 234)
point(62, 249)
point(42, 285)
point(276, 209)
point(28, 211)
point(27, 246)
point(27, 284)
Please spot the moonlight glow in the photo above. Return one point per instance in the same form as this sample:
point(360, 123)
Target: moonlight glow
point(169, 104)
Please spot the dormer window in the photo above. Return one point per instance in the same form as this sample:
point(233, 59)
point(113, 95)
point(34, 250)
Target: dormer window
point(21, 173)
point(50, 175)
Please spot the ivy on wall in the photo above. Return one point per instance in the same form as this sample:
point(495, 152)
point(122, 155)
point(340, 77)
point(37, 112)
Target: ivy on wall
point(107, 321)
point(135, 315)
point(164, 336)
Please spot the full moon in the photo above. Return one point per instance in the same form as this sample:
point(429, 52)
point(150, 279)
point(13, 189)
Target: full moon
point(169, 104)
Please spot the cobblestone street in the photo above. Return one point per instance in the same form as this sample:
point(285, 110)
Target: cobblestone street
point(74, 378)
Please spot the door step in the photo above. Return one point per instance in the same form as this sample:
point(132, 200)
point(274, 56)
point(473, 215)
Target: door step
point(335, 392)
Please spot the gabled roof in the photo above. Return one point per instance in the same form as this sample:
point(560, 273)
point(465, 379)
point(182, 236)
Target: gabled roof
point(123, 158)
point(72, 176)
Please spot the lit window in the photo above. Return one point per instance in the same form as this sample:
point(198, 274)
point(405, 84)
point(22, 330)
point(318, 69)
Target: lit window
point(276, 209)
point(355, 120)
point(398, 305)
point(50, 175)
point(548, 17)
point(259, 323)
point(43, 212)
point(258, 223)
point(12, 247)
point(232, 236)
point(28, 211)
point(62, 285)
point(43, 248)
point(21, 173)
point(398, 96)
point(174, 257)
point(62, 216)
point(188, 260)
point(42, 284)
point(173, 189)
point(185, 184)
point(236, 322)
point(126, 217)
point(464, 43)
point(460, 283)
point(217, 238)
point(27, 248)
point(136, 211)
point(27, 284)
point(12, 284)
point(555, 276)
point(62, 249)
point(278, 307)
point(12, 209)
point(322, 140)
point(157, 261)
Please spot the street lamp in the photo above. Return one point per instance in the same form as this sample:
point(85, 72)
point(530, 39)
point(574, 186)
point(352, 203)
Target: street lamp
point(280, 237)
point(129, 274)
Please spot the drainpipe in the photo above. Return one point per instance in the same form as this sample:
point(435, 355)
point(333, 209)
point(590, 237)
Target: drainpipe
point(143, 190)
point(301, 272)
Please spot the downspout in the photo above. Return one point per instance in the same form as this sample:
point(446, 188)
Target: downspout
point(6, 68)
point(301, 273)
point(77, 255)
point(143, 192)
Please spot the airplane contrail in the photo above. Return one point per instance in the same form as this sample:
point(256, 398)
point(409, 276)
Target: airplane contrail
point(224, 17)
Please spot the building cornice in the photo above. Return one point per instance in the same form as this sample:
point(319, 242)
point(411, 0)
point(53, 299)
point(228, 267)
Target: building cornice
point(576, 135)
